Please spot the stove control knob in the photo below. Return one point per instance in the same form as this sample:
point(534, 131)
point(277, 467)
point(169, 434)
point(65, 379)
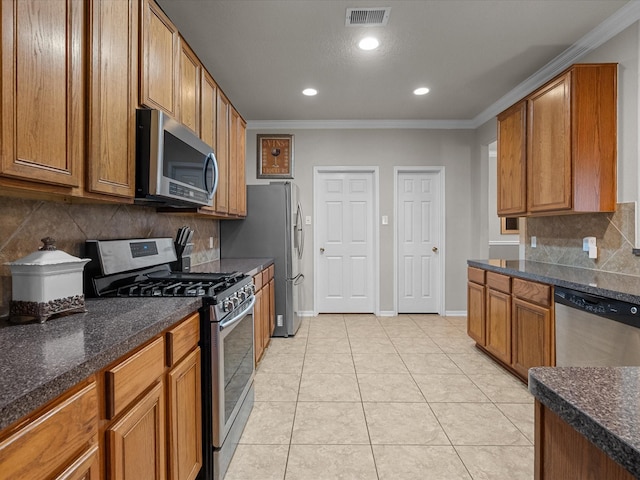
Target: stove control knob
point(227, 305)
point(234, 298)
point(251, 288)
point(243, 295)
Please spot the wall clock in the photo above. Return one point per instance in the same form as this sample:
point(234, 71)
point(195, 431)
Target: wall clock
point(275, 156)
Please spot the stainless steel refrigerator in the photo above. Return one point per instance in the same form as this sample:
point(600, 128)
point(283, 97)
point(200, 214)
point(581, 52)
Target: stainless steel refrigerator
point(274, 227)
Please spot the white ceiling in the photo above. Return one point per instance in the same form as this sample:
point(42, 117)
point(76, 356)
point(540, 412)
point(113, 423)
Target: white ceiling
point(470, 53)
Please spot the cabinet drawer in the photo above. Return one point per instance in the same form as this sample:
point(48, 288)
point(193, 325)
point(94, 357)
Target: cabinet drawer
point(476, 275)
point(131, 377)
point(499, 282)
point(257, 281)
point(532, 291)
point(53, 439)
point(182, 339)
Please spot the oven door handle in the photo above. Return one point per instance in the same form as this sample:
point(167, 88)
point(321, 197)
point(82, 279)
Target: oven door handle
point(239, 316)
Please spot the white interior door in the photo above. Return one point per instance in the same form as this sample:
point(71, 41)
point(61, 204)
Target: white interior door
point(420, 249)
point(345, 242)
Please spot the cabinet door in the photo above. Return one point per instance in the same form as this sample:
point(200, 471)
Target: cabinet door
point(549, 148)
point(476, 312)
point(51, 441)
point(208, 99)
point(257, 326)
point(42, 94)
point(113, 99)
point(272, 306)
point(266, 315)
point(137, 442)
point(87, 467)
point(190, 76)
point(498, 330)
point(222, 153)
point(532, 336)
point(512, 160)
point(185, 419)
point(234, 120)
point(159, 62)
point(241, 185)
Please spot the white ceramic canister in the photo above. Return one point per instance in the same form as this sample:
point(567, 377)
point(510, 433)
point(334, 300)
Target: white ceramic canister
point(47, 282)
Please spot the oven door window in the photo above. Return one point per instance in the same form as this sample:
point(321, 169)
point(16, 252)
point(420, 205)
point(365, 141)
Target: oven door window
point(238, 363)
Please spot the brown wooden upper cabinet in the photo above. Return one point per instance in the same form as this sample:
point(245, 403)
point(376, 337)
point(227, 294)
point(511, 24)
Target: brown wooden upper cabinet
point(113, 80)
point(190, 77)
point(160, 52)
point(512, 160)
point(42, 97)
point(221, 201)
point(558, 147)
point(208, 100)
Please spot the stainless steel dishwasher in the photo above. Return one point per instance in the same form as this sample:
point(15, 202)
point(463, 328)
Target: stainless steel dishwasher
point(595, 331)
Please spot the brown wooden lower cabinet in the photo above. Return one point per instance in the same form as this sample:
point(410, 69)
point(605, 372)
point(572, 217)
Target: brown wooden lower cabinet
point(498, 334)
point(264, 310)
point(138, 418)
point(511, 319)
point(561, 452)
point(136, 443)
point(476, 321)
point(87, 467)
point(532, 336)
point(185, 418)
point(63, 438)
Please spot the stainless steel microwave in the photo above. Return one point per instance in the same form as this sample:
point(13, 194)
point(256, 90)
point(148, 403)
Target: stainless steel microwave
point(173, 165)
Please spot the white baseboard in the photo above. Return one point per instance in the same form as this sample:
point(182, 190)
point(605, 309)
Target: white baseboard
point(456, 313)
point(387, 313)
point(307, 313)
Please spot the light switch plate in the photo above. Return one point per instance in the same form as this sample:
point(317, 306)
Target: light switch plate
point(307, 220)
point(534, 242)
point(385, 220)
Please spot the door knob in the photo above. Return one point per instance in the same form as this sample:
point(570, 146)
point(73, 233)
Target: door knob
point(321, 250)
point(434, 249)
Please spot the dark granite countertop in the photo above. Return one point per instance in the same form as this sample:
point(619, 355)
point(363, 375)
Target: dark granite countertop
point(38, 362)
point(602, 403)
point(606, 284)
point(250, 266)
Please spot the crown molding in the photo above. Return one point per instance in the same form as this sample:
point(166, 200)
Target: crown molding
point(609, 28)
point(612, 26)
point(360, 124)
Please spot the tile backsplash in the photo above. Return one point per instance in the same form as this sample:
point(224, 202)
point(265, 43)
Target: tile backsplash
point(24, 222)
point(559, 240)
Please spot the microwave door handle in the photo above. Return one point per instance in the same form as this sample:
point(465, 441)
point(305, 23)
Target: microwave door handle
point(211, 158)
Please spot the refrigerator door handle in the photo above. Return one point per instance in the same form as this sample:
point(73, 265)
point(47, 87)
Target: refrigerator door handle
point(300, 231)
point(297, 280)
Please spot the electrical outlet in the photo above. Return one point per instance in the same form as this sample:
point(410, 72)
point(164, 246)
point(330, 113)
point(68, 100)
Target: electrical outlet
point(534, 242)
point(210, 242)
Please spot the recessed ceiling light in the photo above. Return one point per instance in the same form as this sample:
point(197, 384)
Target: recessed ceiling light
point(421, 91)
point(309, 92)
point(369, 43)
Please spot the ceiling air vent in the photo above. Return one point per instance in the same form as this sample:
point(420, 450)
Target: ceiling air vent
point(367, 17)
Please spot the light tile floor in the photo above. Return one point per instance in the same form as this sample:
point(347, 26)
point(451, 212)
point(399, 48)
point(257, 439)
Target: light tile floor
point(355, 397)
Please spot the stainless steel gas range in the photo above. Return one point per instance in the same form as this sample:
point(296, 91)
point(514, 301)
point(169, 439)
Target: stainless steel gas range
point(141, 268)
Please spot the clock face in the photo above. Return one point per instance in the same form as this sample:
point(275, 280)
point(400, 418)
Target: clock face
point(275, 156)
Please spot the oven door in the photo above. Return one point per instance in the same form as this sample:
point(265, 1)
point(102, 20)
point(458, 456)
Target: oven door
point(232, 367)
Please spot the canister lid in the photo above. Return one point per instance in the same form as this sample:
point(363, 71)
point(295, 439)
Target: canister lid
point(48, 255)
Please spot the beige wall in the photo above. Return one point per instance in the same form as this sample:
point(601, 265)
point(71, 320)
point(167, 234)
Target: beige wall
point(385, 149)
